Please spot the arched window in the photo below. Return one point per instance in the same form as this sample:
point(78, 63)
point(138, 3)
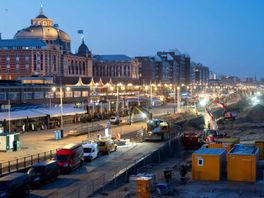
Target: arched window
point(76, 67)
point(83, 68)
point(72, 67)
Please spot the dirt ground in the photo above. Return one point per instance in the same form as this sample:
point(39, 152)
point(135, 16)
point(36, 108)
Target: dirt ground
point(249, 126)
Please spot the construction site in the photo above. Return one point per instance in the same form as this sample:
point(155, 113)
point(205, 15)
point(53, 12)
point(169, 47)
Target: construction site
point(217, 153)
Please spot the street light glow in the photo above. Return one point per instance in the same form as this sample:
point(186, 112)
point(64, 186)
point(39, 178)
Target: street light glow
point(53, 89)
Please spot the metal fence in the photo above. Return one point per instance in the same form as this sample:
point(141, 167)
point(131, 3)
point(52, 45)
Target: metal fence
point(25, 162)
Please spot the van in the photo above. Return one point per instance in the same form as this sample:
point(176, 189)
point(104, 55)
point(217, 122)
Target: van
point(90, 151)
point(14, 185)
point(43, 172)
point(70, 157)
point(106, 146)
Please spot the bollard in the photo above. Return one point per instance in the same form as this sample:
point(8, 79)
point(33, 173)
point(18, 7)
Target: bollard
point(25, 162)
point(17, 164)
point(0, 168)
point(31, 160)
point(9, 166)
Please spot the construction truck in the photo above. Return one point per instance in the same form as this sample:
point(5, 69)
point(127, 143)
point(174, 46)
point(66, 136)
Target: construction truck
point(156, 129)
point(227, 115)
point(209, 134)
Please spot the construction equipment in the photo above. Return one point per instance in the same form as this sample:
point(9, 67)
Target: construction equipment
point(156, 129)
point(227, 115)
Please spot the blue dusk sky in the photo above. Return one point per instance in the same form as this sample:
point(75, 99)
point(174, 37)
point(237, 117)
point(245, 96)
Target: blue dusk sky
point(226, 35)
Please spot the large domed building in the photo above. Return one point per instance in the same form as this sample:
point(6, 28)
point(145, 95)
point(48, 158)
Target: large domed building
point(43, 28)
point(43, 49)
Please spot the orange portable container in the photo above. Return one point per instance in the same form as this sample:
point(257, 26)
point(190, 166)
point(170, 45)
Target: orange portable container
point(260, 145)
point(143, 187)
point(242, 163)
point(226, 146)
point(207, 164)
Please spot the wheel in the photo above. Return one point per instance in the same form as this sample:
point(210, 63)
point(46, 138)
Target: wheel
point(27, 191)
point(107, 152)
point(115, 148)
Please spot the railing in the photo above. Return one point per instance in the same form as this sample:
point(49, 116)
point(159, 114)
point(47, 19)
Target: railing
point(25, 162)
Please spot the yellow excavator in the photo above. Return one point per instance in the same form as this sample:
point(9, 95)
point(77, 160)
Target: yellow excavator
point(157, 130)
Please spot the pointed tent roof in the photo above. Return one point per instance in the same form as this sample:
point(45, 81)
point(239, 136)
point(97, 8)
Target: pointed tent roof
point(101, 84)
point(80, 83)
point(92, 83)
point(111, 82)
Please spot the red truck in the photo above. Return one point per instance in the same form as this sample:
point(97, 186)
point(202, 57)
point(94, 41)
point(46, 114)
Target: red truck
point(70, 157)
point(193, 139)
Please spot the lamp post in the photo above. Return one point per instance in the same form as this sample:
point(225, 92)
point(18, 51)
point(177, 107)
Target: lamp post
point(61, 105)
point(53, 89)
point(174, 98)
point(178, 99)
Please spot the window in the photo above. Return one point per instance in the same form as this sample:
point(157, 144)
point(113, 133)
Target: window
point(200, 162)
point(77, 94)
point(39, 95)
point(68, 94)
point(2, 96)
point(84, 93)
point(49, 94)
point(13, 95)
point(27, 95)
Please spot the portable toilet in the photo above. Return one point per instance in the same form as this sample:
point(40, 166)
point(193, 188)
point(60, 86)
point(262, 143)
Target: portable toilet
point(9, 142)
point(242, 163)
point(207, 164)
point(143, 187)
point(260, 145)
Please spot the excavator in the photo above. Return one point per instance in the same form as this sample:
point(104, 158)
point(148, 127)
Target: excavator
point(210, 133)
point(227, 115)
point(157, 130)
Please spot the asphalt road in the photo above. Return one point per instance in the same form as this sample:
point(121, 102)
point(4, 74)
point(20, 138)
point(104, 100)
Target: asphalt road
point(95, 173)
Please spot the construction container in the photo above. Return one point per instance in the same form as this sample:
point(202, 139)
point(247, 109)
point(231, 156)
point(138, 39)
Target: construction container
point(208, 163)
point(228, 140)
point(226, 146)
point(143, 187)
point(242, 163)
point(133, 182)
point(260, 145)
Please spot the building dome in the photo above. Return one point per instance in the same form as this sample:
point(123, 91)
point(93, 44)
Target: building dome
point(42, 28)
point(83, 50)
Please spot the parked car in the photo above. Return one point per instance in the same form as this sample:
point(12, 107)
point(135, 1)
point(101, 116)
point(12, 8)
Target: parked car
point(90, 151)
point(115, 120)
point(70, 157)
point(106, 146)
point(43, 172)
point(14, 185)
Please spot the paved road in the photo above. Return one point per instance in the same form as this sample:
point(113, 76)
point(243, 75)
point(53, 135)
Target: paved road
point(94, 174)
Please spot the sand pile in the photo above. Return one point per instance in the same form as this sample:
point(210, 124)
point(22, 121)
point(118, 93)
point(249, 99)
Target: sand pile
point(256, 114)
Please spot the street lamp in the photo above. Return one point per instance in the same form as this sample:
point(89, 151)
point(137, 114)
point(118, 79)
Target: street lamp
point(53, 89)
point(61, 105)
point(178, 98)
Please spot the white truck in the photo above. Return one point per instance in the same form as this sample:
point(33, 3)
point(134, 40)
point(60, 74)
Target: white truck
point(90, 151)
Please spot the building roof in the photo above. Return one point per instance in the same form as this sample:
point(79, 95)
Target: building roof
point(22, 43)
point(240, 149)
point(112, 58)
point(210, 151)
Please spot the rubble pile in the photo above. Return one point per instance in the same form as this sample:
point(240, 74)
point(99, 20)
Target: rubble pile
point(256, 114)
